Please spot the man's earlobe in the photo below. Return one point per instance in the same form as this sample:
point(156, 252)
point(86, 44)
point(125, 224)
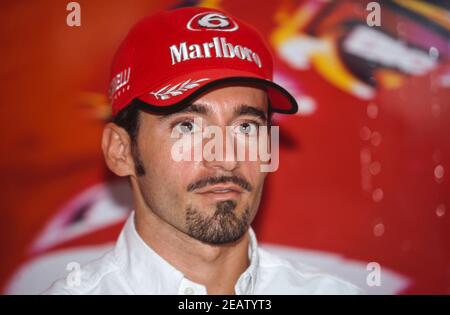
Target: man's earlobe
point(116, 146)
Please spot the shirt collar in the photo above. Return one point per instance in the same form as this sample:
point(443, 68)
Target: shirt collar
point(147, 272)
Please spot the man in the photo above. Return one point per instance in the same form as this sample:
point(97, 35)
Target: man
point(176, 74)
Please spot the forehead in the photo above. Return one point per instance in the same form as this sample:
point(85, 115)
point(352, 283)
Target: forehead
point(228, 97)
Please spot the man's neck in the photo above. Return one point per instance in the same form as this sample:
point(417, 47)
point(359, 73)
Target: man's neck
point(218, 267)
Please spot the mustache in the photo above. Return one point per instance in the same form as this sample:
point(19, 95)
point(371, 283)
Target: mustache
point(220, 180)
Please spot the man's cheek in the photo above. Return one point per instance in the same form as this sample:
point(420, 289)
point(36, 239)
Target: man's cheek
point(252, 172)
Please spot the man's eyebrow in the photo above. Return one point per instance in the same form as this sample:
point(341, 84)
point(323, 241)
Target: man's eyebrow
point(250, 110)
point(192, 108)
point(204, 110)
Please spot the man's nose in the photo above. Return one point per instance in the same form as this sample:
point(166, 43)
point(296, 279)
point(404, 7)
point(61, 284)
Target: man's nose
point(227, 158)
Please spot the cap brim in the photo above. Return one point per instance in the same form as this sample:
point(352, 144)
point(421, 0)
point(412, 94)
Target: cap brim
point(177, 92)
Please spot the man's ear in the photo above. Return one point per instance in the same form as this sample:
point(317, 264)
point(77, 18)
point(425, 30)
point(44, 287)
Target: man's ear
point(116, 146)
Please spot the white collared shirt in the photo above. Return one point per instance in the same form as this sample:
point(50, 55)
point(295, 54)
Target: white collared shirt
point(132, 267)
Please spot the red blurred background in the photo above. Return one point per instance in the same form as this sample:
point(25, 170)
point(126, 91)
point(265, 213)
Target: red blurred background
point(363, 166)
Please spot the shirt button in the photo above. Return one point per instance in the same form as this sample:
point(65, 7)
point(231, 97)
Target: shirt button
point(189, 291)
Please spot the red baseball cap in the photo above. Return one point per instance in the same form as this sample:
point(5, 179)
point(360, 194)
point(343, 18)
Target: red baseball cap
point(168, 59)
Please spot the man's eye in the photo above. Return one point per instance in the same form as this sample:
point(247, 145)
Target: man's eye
point(247, 128)
point(186, 127)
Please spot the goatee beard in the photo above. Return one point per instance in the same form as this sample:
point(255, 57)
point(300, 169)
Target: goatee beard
point(223, 227)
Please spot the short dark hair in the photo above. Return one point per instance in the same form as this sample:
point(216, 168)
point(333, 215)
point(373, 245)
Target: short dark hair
point(129, 119)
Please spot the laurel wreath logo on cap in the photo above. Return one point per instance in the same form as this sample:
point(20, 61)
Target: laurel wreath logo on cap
point(178, 89)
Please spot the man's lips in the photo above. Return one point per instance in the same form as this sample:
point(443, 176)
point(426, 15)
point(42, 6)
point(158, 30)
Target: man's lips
point(235, 183)
point(220, 189)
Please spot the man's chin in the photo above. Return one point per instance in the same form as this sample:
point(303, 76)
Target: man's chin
point(224, 226)
point(218, 238)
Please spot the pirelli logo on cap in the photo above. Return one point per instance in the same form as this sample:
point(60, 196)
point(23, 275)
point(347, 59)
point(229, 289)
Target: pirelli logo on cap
point(119, 83)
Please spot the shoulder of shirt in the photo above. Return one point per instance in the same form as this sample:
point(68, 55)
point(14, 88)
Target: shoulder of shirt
point(298, 278)
point(96, 277)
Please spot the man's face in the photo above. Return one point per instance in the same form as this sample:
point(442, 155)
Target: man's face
point(212, 201)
